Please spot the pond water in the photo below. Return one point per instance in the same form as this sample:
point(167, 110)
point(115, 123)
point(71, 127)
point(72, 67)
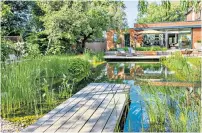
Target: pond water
point(154, 106)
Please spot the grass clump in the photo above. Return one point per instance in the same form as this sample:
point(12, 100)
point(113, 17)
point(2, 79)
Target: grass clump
point(33, 87)
point(152, 48)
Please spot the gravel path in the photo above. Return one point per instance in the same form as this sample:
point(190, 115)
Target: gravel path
point(8, 127)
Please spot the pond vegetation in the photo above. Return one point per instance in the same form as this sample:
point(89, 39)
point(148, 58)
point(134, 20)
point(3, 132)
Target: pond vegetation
point(33, 87)
point(170, 107)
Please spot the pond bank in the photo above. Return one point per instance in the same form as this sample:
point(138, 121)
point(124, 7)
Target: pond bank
point(7, 127)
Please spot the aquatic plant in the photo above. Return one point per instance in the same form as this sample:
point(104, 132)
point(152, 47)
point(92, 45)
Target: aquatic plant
point(175, 109)
point(33, 87)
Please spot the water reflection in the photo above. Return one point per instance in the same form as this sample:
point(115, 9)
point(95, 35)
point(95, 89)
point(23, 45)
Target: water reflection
point(129, 71)
point(159, 101)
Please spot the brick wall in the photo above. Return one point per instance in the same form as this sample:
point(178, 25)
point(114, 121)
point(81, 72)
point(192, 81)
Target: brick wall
point(110, 38)
point(196, 35)
point(109, 41)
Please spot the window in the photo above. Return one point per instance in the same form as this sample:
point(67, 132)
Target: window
point(184, 40)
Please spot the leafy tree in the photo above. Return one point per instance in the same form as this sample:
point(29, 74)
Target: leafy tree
point(186, 4)
point(142, 6)
point(166, 11)
point(160, 13)
point(69, 23)
point(15, 15)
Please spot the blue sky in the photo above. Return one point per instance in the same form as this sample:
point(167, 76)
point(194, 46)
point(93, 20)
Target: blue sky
point(131, 10)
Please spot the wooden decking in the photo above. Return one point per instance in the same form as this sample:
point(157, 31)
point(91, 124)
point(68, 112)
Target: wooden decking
point(96, 108)
point(175, 84)
point(114, 57)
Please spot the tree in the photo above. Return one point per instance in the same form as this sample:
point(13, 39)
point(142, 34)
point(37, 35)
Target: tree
point(186, 4)
point(142, 6)
point(71, 22)
point(161, 13)
point(166, 11)
point(15, 16)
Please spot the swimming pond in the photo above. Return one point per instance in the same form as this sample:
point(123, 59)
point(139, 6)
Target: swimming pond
point(158, 100)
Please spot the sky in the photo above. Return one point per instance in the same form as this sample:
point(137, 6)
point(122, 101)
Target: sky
point(132, 10)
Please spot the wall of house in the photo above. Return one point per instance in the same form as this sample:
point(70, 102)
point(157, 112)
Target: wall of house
point(192, 16)
point(96, 46)
point(110, 38)
point(196, 35)
point(189, 16)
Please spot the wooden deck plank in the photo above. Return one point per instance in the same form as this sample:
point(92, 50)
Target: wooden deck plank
point(100, 124)
point(116, 114)
point(96, 108)
point(72, 108)
point(94, 118)
point(87, 115)
point(68, 116)
point(49, 115)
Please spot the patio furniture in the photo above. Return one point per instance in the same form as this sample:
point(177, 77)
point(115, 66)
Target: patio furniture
point(120, 52)
point(188, 52)
point(131, 52)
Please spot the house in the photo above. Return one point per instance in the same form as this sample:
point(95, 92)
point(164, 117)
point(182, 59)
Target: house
point(177, 35)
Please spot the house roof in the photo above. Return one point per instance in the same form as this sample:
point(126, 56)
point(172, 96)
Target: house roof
point(169, 25)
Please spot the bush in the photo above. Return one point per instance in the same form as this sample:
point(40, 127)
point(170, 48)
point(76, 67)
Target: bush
point(33, 50)
point(113, 49)
point(153, 48)
point(78, 69)
point(95, 56)
point(6, 49)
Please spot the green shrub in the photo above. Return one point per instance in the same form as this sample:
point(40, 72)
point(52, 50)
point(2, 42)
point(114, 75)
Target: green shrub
point(78, 69)
point(112, 49)
point(124, 48)
point(153, 48)
point(198, 41)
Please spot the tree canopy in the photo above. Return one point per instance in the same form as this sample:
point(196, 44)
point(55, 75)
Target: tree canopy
point(158, 13)
point(61, 24)
point(76, 22)
point(165, 11)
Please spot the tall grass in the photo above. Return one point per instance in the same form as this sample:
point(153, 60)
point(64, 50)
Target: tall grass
point(175, 109)
point(38, 85)
point(168, 109)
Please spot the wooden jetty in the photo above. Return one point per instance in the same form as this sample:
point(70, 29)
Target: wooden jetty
point(96, 108)
point(114, 57)
point(174, 84)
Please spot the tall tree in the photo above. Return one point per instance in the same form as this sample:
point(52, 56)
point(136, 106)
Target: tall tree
point(195, 4)
point(158, 13)
point(16, 16)
point(71, 22)
point(165, 11)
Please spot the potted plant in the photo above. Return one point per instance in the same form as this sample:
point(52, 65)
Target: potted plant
point(118, 43)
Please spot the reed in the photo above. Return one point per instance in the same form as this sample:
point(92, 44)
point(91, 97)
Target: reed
point(175, 109)
point(33, 87)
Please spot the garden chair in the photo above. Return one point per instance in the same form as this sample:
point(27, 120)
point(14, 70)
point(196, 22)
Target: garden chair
point(120, 52)
point(131, 52)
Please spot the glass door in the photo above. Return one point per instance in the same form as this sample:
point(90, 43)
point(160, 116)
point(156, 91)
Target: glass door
point(185, 40)
point(127, 40)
